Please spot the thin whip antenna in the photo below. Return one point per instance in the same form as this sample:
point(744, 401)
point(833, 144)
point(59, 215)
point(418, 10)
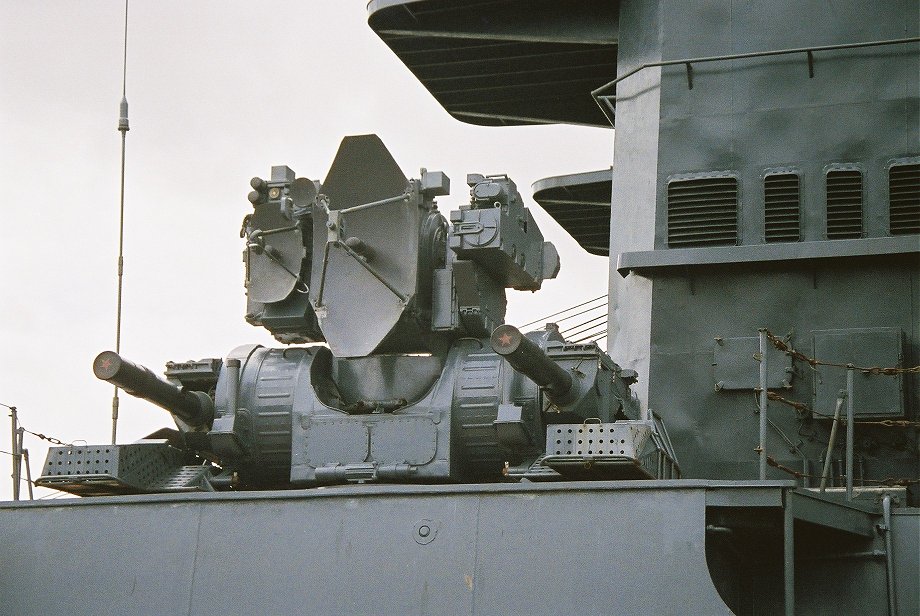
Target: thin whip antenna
point(123, 129)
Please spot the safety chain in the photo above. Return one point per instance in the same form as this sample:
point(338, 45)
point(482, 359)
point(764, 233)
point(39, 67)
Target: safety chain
point(804, 408)
point(890, 423)
point(888, 481)
point(780, 344)
point(799, 406)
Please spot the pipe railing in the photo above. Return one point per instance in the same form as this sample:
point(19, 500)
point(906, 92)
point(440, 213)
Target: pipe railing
point(607, 101)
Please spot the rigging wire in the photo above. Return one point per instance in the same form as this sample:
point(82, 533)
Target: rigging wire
point(549, 316)
point(587, 310)
point(585, 325)
point(123, 128)
point(593, 337)
point(594, 331)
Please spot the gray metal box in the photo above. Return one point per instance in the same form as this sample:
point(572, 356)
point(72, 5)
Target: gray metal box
point(509, 247)
point(874, 395)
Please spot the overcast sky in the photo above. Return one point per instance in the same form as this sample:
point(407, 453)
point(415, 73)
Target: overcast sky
point(219, 92)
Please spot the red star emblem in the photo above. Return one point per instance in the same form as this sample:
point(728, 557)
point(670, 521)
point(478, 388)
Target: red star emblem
point(505, 339)
point(105, 363)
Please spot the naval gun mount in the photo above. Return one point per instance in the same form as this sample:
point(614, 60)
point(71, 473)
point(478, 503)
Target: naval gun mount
point(417, 378)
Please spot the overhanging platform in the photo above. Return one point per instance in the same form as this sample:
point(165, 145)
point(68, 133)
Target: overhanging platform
point(506, 62)
point(580, 203)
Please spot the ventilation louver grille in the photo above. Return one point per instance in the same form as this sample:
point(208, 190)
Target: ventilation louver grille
point(781, 207)
point(904, 192)
point(703, 212)
point(844, 204)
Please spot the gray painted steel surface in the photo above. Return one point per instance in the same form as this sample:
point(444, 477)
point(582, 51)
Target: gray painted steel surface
point(745, 119)
point(834, 125)
point(360, 551)
point(747, 193)
point(636, 547)
point(906, 530)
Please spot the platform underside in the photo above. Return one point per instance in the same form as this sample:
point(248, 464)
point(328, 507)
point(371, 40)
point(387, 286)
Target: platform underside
point(626, 547)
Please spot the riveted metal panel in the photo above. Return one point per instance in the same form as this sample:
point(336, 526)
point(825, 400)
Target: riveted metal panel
point(735, 365)
point(403, 439)
point(335, 440)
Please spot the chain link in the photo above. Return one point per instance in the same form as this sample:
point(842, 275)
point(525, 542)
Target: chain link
point(804, 408)
point(781, 344)
point(888, 481)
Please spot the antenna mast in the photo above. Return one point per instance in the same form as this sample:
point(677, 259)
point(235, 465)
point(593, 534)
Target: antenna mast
point(123, 129)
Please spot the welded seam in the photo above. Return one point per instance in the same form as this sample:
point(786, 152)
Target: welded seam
point(191, 587)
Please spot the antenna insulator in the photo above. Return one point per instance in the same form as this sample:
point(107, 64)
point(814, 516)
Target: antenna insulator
point(123, 115)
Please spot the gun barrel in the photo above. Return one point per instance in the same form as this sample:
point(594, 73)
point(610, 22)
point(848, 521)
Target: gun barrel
point(142, 383)
point(529, 359)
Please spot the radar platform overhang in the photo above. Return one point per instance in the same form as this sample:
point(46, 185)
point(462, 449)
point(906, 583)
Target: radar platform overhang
point(506, 62)
point(580, 203)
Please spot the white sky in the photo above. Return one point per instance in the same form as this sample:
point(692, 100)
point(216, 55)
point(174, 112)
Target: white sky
point(219, 91)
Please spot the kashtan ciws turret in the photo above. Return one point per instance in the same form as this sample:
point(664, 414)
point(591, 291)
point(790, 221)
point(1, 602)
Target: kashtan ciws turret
point(419, 379)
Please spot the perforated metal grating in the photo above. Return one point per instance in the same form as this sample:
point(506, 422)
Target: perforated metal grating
point(703, 212)
point(781, 201)
point(844, 204)
point(591, 439)
point(185, 478)
point(93, 470)
point(904, 194)
point(82, 460)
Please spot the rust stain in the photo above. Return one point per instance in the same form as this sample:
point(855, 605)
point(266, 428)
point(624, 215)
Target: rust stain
point(469, 581)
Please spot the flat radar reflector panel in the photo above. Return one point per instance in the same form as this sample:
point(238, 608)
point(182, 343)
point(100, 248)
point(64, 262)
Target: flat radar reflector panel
point(365, 249)
point(274, 253)
point(363, 172)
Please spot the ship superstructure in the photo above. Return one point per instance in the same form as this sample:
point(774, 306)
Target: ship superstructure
point(747, 444)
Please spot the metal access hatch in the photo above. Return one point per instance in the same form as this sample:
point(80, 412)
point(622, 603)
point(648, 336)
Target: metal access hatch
point(874, 394)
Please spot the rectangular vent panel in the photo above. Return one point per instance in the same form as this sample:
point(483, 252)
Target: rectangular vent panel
point(703, 212)
point(904, 194)
point(781, 207)
point(844, 204)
